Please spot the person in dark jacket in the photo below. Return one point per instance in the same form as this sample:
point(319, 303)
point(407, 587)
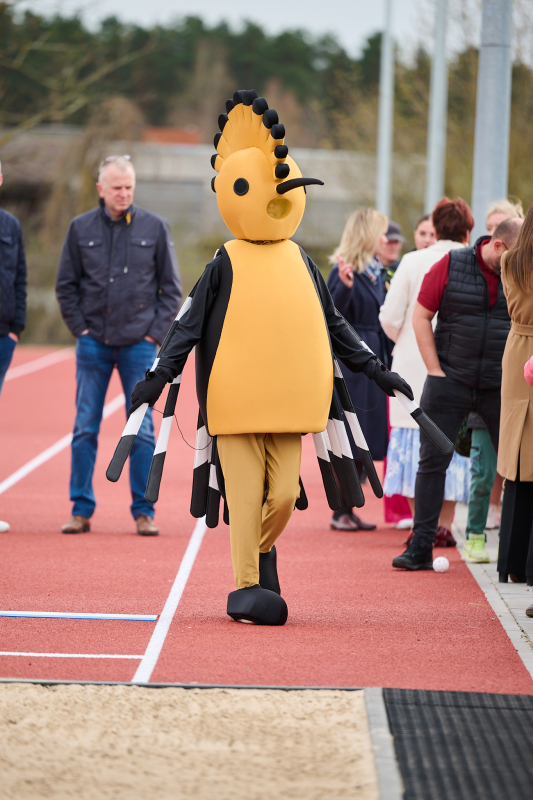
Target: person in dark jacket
point(464, 363)
point(12, 287)
point(389, 252)
point(119, 291)
point(356, 284)
point(12, 293)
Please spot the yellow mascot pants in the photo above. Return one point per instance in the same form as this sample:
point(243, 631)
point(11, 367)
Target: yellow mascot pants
point(258, 466)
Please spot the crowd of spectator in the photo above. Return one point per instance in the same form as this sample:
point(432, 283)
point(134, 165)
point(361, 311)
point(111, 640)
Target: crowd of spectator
point(455, 320)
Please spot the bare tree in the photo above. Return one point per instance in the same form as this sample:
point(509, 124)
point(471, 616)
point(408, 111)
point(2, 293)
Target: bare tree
point(73, 87)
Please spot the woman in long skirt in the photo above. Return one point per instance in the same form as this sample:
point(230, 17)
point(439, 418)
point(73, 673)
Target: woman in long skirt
point(356, 283)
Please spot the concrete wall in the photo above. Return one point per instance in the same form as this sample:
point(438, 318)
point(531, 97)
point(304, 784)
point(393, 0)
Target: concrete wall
point(175, 181)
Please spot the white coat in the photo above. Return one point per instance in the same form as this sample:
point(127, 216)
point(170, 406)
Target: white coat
point(396, 318)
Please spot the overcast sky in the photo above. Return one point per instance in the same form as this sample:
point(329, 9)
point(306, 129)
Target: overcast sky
point(352, 21)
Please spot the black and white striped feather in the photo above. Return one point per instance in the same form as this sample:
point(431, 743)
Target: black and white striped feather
point(201, 470)
point(357, 433)
point(342, 458)
point(323, 448)
point(135, 420)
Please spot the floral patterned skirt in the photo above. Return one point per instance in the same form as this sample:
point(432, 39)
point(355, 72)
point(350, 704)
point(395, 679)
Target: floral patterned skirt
point(402, 466)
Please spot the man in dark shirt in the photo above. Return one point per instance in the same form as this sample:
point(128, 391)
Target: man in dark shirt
point(12, 293)
point(463, 360)
point(119, 291)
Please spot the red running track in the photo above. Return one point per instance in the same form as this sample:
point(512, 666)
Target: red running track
point(353, 620)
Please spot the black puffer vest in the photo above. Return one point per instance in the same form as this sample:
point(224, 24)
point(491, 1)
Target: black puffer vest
point(470, 337)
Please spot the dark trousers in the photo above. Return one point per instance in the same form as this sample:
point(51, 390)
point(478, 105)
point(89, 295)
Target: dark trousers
point(447, 403)
point(516, 530)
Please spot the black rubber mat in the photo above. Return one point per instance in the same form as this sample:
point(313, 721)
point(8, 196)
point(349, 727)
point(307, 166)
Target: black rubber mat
point(462, 745)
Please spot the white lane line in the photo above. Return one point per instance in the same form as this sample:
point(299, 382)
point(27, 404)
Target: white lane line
point(65, 655)
point(155, 645)
point(50, 452)
point(39, 363)
point(77, 615)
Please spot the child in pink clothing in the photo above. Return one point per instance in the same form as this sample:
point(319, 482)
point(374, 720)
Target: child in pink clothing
point(528, 371)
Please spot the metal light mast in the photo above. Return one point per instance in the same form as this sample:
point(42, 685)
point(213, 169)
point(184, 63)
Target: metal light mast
point(385, 117)
point(438, 102)
point(493, 109)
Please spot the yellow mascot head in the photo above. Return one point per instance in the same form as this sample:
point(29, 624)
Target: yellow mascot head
point(260, 190)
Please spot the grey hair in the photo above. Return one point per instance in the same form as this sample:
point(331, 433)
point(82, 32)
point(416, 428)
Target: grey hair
point(122, 163)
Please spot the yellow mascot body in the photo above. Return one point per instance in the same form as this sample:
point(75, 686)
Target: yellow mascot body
point(265, 330)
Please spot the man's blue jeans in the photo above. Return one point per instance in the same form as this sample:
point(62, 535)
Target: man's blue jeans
point(7, 347)
point(94, 366)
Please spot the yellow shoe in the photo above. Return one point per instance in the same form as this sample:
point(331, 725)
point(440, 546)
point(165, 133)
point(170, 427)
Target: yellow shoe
point(474, 549)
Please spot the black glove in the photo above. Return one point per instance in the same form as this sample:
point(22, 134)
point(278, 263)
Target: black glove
point(388, 381)
point(147, 391)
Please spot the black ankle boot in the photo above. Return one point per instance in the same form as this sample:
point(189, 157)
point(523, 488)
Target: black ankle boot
point(416, 557)
point(268, 571)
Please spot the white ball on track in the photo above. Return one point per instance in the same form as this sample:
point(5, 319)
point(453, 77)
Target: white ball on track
point(441, 564)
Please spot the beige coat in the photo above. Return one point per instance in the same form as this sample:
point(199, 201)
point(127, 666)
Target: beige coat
point(516, 425)
point(396, 318)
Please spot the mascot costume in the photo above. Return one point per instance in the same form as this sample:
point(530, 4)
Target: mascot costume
point(266, 334)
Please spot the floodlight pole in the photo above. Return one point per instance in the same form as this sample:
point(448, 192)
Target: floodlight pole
point(493, 110)
point(385, 117)
point(438, 103)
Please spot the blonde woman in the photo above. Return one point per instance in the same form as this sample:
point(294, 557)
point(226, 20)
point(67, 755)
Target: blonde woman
point(356, 283)
point(500, 210)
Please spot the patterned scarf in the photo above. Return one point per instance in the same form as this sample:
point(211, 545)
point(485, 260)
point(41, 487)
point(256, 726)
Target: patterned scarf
point(373, 270)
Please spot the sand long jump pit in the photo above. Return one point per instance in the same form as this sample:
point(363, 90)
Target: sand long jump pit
point(136, 743)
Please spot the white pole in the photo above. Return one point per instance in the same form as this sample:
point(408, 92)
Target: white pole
point(385, 117)
point(493, 110)
point(438, 102)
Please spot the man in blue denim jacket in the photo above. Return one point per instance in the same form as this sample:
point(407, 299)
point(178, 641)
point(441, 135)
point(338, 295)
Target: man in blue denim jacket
point(12, 292)
point(119, 291)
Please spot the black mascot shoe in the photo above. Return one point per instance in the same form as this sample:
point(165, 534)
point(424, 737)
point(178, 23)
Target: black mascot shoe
point(268, 571)
point(257, 605)
point(415, 557)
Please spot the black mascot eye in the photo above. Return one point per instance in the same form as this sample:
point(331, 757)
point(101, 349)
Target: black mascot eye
point(241, 186)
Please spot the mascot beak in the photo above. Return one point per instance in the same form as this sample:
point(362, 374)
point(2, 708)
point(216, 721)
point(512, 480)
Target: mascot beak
point(286, 186)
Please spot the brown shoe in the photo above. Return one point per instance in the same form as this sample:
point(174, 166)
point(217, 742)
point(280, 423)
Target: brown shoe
point(146, 526)
point(76, 524)
point(529, 611)
point(350, 522)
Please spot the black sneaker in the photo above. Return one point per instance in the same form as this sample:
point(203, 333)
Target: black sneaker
point(415, 557)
